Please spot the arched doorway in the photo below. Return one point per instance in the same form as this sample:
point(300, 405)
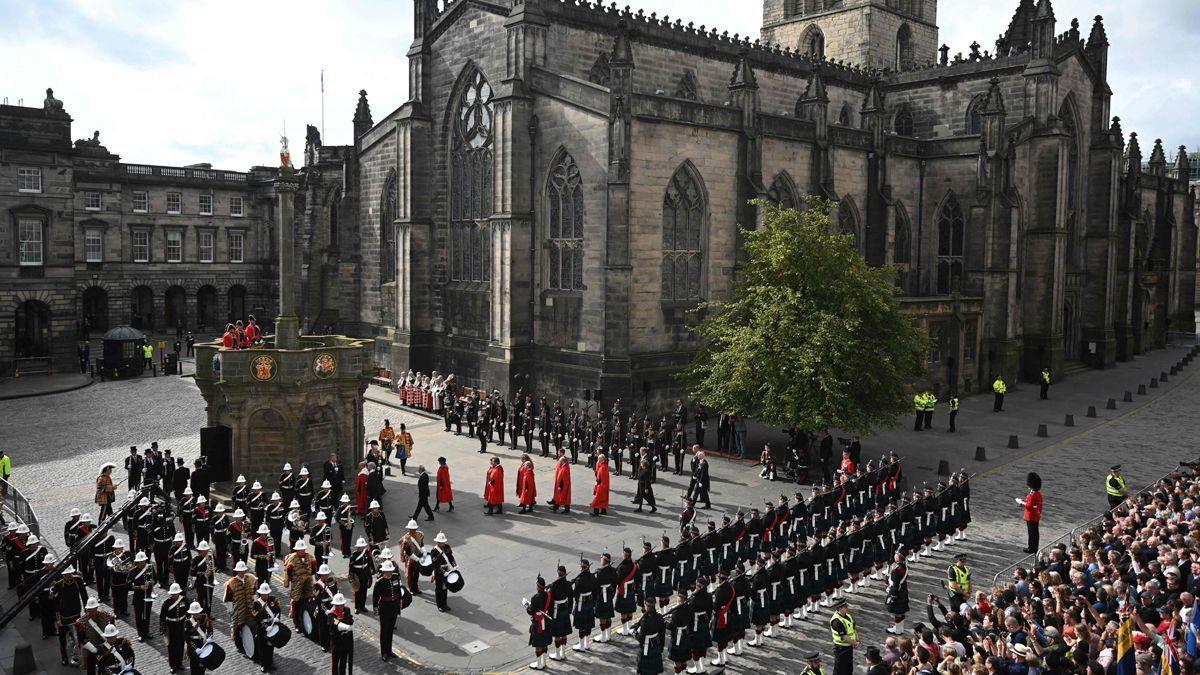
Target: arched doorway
point(141, 308)
point(32, 338)
point(95, 310)
point(206, 308)
point(175, 309)
point(237, 303)
point(319, 431)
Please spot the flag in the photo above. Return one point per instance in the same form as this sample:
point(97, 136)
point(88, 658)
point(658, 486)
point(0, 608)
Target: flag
point(1125, 653)
point(1170, 659)
point(1193, 640)
point(322, 80)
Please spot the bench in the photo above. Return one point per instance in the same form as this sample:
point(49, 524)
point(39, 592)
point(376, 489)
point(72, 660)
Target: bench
point(382, 377)
point(41, 365)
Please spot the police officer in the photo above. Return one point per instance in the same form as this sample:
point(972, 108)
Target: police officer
point(814, 665)
point(998, 389)
point(845, 638)
point(1045, 382)
point(1114, 485)
point(958, 578)
point(952, 402)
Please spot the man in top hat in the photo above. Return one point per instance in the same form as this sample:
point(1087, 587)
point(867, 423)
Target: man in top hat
point(387, 599)
point(240, 591)
point(412, 548)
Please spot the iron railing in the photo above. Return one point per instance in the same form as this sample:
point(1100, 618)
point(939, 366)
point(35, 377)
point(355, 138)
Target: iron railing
point(15, 506)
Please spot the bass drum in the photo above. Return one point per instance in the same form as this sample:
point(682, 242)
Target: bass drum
point(278, 635)
point(211, 654)
point(454, 581)
point(245, 636)
point(425, 565)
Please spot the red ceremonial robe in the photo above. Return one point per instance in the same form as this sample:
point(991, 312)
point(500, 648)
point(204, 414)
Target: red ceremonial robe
point(562, 485)
point(493, 489)
point(526, 486)
point(600, 492)
point(445, 494)
point(360, 493)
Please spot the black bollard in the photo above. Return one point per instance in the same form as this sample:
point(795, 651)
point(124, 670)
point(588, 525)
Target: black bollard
point(1041, 432)
point(1141, 390)
point(943, 468)
point(1013, 443)
point(980, 454)
point(1069, 421)
point(1112, 404)
point(1154, 383)
point(1162, 377)
point(1128, 397)
point(23, 661)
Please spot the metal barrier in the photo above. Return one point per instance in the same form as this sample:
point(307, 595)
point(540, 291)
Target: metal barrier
point(15, 505)
point(1071, 537)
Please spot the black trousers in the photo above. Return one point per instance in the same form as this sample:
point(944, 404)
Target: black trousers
point(387, 628)
point(341, 660)
point(920, 417)
point(439, 590)
point(1114, 502)
point(928, 418)
point(100, 569)
point(1034, 536)
point(423, 505)
point(264, 651)
point(120, 599)
point(998, 404)
point(175, 646)
point(843, 661)
point(953, 415)
point(141, 614)
point(1045, 393)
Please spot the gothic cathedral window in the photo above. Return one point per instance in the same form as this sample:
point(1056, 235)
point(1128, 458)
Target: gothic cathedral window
point(781, 192)
point(564, 195)
point(387, 230)
point(684, 212)
point(471, 183)
point(848, 219)
point(950, 228)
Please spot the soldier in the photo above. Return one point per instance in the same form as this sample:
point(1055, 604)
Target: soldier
point(256, 505)
point(115, 571)
point(845, 638)
point(760, 604)
point(412, 549)
point(181, 559)
point(276, 518)
point(239, 590)
point(375, 524)
point(304, 491)
point(141, 580)
point(265, 613)
point(724, 618)
point(68, 596)
point(701, 601)
point(220, 538)
point(163, 534)
point(443, 562)
point(345, 521)
point(679, 630)
point(299, 567)
point(387, 599)
point(202, 519)
point(321, 538)
point(202, 576)
point(563, 596)
point(896, 594)
point(538, 606)
point(605, 585)
point(650, 636)
point(115, 653)
point(342, 643)
point(241, 495)
point(287, 484)
point(362, 570)
point(583, 588)
point(625, 601)
point(170, 623)
point(187, 511)
point(239, 536)
point(324, 500)
point(262, 552)
point(197, 631)
point(297, 525)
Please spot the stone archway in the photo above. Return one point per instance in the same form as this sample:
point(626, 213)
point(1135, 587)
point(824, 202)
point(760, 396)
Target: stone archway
point(320, 432)
point(206, 308)
point(175, 308)
point(237, 303)
point(31, 337)
point(94, 308)
point(141, 308)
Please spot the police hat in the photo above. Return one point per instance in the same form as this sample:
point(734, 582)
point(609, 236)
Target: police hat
point(839, 603)
point(960, 556)
point(815, 656)
point(1115, 467)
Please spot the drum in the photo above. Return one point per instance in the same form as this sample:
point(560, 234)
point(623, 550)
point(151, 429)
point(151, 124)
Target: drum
point(454, 581)
point(278, 635)
point(425, 565)
point(246, 638)
point(212, 655)
point(128, 670)
point(406, 598)
point(308, 622)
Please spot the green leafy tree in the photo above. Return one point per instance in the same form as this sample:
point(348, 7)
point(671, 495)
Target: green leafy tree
point(813, 337)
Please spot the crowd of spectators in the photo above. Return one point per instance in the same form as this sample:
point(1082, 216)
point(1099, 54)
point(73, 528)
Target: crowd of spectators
point(1137, 572)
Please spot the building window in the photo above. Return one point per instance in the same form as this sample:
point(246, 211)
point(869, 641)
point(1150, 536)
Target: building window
point(206, 202)
point(781, 193)
point(684, 212)
point(975, 116)
point(950, 228)
point(848, 220)
point(141, 246)
point(904, 49)
point(30, 241)
point(92, 201)
point(688, 87)
point(174, 202)
point(565, 196)
point(93, 245)
point(844, 115)
point(813, 43)
point(174, 246)
point(902, 251)
point(141, 202)
point(237, 206)
point(237, 247)
point(335, 201)
point(903, 125)
point(207, 241)
point(387, 230)
point(471, 184)
point(29, 179)
point(970, 337)
point(937, 338)
point(1067, 115)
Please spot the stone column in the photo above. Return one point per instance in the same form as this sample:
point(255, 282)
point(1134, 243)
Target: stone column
point(287, 325)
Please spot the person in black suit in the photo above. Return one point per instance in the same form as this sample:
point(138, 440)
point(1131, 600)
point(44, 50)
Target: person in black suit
point(335, 473)
point(645, 489)
point(422, 494)
point(200, 480)
point(825, 455)
point(698, 489)
point(180, 479)
point(151, 468)
point(680, 412)
point(724, 429)
point(133, 468)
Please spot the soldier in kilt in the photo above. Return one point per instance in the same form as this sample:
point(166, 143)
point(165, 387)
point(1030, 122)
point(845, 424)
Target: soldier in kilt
point(928, 511)
point(625, 602)
point(560, 616)
point(896, 600)
point(798, 524)
point(963, 514)
point(650, 634)
point(685, 569)
point(780, 596)
point(760, 603)
point(664, 561)
point(702, 609)
point(911, 520)
point(584, 617)
point(538, 608)
point(606, 589)
point(724, 623)
point(743, 588)
point(943, 520)
point(680, 633)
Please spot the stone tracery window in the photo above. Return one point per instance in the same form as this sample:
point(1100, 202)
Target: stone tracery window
point(848, 219)
point(688, 87)
point(951, 226)
point(564, 194)
point(471, 183)
point(684, 212)
point(1067, 115)
point(813, 42)
point(781, 192)
point(387, 230)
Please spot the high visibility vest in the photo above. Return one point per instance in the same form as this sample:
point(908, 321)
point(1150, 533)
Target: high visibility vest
point(954, 403)
point(1046, 377)
point(847, 624)
point(998, 386)
point(962, 577)
point(148, 351)
point(918, 403)
point(1115, 485)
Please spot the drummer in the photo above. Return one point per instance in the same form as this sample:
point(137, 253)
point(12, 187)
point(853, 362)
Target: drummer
point(198, 633)
point(324, 588)
point(443, 562)
point(388, 599)
point(342, 622)
point(362, 570)
point(298, 569)
point(266, 613)
point(116, 654)
point(412, 549)
point(239, 591)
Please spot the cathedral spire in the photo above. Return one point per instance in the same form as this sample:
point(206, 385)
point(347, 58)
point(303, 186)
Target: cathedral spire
point(1183, 164)
point(362, 115)
point(1016, 38)
point(1158, 159)
point(1098, 37)
point(1133, 155)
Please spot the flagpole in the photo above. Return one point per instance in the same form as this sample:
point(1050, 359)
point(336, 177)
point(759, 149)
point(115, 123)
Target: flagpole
point(322, 104)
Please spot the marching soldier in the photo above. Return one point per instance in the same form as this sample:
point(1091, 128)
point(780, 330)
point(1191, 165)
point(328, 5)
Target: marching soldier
point(239, 536)
point(650, 636)
point(170, 623)
point(679, 631)
point(538, 606)
point(297, 524)
point(845, 638)
point(202, 519)
point(375, 523)
point(606, 585)
point(560, 613)
point(701, 601)
point(304, 491)
point(241, 495)
point(287, 484)
point(68, 597)
point(324, 500)
point(265, 613)
point(239, 591)
point(443, 562)
point(256, 505)
point(197, 631)
point(111, 652)
point(202, 569)
point(387, 599)
point(181, 560)
point(345, 521)
point(262, 552)
point(220, 538)
point(412, 548)
point(583, 587)
point(276, 518)
point(896, 594)
point(164, 532)
point(362, 569)
point(141, 580)
point(1114, 485)
point(117, 574)
point(958, 577)
point(625, 601)
point(187, 510)
point(90, 631)
point(342, 623)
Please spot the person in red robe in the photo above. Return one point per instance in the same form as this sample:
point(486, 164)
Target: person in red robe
point(445, 494)
point(493, 488)
point(526, 486)
point(562, 486)
point(600, 491)
point(360, 491)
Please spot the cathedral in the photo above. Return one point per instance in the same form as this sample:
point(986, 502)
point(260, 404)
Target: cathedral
point(567, 180)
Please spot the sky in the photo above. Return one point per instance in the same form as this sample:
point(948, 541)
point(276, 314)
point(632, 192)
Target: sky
point(183, 82)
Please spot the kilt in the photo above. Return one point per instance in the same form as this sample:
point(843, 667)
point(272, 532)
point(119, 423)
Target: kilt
point(897, 603)
point(945, 524)
point(627, 603)
point(662, 589)
point(724, 634)
point(963, 514)
point(760, 608)
point(681, 645)
point(701, 638)
point(650, 656)
point(604, 608)
point(780, 601)
point(684, 578)
point(539, 638)
point(560, 625)
point(912, 536)
point(868, 556)
point(743, 613)
point(584, 616)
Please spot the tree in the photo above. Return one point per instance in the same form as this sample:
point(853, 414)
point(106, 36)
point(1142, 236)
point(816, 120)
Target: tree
point(813, 337)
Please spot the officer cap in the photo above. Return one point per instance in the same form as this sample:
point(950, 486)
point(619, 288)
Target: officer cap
point(960, 556)
point(839, 603)
point(1115, 467)
point(815, 656)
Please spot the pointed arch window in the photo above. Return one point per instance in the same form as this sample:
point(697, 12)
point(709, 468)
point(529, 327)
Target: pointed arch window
point(844, 115)
point(1067, 115)
point(387, 230)
point(599, 74)
point(684, 210)
point(902, 249)
point(903, 124)
point(848, 219)
point(782, 194)
point(904, 49)
point(335, 200)
point(564, 196)
point(688, 87)
point(951, 226)
point(975, 116)
point(813, 42)
point(471, 182)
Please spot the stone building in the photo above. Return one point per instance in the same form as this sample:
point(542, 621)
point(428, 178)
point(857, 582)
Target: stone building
point(566, 180)
point(88, 242)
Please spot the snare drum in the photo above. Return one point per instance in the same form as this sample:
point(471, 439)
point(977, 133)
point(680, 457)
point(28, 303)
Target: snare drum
point(454, 581)
point(308, 622)
point(278, 635)
point(425, 565)
point(406, 598)
point(246, 638)
point(212, 655)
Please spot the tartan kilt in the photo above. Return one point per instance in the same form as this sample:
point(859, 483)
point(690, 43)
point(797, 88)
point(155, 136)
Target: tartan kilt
point(701, 639)
point(681, 645)
point(604, 610)
point(650, 658)
point(560, 625)
point(539, 638)
point(760, 612)
point(626, 604)
point(897, 603)
point(584, 616)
